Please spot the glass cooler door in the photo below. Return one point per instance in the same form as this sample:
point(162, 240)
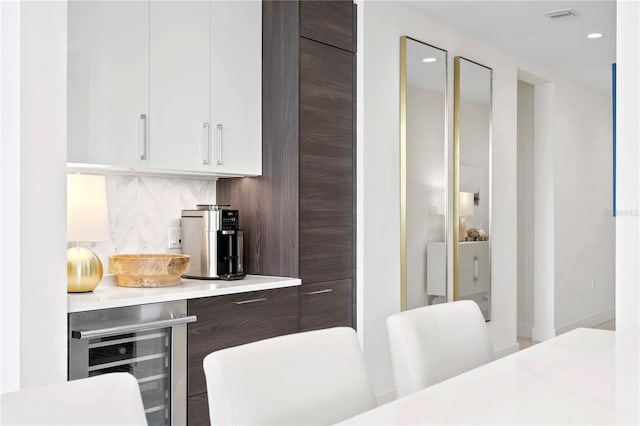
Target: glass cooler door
point(146, 355)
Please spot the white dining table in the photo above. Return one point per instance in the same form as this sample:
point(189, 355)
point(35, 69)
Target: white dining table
point(582, 377)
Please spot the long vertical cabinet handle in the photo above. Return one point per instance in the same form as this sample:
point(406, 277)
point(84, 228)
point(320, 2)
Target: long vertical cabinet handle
point(142, 136)
point(206, 144)
point(476, 268)
point(219, 130)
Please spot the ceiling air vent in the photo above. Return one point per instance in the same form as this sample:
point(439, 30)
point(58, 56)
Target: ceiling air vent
point(562, 13)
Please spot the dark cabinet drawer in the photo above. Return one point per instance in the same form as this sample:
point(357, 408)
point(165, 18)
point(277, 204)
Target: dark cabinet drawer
point(232, 320)
point(329, 22)
point(326, 304)
point(198, 410)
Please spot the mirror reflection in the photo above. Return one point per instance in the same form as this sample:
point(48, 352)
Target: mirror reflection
point(472, 183)
point(423, 173)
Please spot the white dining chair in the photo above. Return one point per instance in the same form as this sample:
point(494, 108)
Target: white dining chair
point(108, 399)
point(311, 378)
point(433, 343)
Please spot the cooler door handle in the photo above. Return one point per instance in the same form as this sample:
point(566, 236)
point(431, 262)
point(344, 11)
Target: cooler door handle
point(131, 328)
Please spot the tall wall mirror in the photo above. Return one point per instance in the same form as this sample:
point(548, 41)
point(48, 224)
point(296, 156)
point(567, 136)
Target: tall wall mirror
point(472, 183)
point(423, 174)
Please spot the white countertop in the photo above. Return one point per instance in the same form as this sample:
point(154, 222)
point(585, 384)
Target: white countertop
point(109, 295)
point(581, 377)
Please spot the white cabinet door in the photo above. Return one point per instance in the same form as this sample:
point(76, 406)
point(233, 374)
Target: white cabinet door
point(166, 85)
point(236, 87)
point(108, 91)
point(179, 84)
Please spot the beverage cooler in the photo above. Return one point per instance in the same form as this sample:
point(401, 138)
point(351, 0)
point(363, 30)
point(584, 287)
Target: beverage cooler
point(148, 341)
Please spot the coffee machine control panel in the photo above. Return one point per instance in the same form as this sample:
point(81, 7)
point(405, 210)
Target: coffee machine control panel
point(229, 219)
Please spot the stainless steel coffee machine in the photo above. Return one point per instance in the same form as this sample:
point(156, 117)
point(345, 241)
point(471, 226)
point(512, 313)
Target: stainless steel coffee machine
point(210, 235)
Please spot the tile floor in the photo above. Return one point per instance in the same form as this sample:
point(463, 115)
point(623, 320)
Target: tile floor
point(525, 342)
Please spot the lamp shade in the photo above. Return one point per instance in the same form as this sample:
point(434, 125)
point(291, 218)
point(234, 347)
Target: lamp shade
point(466, 204)
point(87, 213)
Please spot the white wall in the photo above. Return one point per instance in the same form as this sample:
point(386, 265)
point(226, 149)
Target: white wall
point(42, 177)
point(543, 213)
point(574, 124)
point(526, 137)
point(628, 193)
point(33, 189)
point(380, 29)
point(10, 195)
point(573, 233)
point(627, 172)
point(584, 224)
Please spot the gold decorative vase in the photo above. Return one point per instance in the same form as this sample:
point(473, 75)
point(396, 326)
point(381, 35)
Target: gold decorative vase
point(84, 270)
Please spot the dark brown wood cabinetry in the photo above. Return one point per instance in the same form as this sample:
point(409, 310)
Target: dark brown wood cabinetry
point(326, 157)
point(325, 304)
point(329, 22)
point(225, 321)
point(299, 216)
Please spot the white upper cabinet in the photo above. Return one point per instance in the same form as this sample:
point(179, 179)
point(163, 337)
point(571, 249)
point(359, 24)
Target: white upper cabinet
point(108, 89)
point(179, 83)
point(166, 86)
point(236, 87)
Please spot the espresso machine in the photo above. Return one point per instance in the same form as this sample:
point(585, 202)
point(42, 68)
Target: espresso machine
point(210, 235)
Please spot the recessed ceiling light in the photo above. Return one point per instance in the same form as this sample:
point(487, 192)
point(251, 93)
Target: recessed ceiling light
point(594, 35)
point(428, 60)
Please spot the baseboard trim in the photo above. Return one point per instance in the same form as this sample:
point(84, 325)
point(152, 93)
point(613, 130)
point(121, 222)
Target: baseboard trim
point(589, 321)
point(524, 329)
point(507, 350)
point(386, 396)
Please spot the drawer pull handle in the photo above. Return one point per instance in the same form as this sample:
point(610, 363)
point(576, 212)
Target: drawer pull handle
point(244, 302)
point(311, 293)
point(476, 268)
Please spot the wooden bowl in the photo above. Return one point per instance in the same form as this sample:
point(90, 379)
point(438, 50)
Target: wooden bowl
point(149, 270)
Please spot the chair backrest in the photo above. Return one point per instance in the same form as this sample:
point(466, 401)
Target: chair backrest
point(108, 399)
point(433, 343)
point(311, 378)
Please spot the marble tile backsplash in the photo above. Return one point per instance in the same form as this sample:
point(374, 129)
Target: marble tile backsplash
point(143, 208)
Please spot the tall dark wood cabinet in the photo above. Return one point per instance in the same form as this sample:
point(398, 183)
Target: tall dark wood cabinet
point(299, 216)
